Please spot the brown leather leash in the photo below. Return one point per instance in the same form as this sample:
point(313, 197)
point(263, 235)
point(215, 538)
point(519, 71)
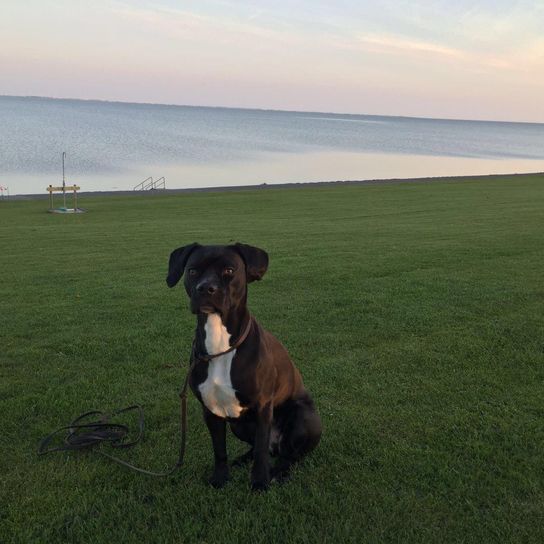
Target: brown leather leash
point(92, 433)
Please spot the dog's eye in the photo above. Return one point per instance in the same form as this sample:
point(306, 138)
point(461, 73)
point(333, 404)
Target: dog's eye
point(192, 271)
point(229, 271)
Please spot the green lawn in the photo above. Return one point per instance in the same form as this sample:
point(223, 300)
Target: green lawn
point(414, 311)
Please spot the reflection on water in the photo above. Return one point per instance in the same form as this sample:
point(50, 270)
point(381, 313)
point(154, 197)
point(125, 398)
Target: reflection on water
point(273, 168)
point(335, 166)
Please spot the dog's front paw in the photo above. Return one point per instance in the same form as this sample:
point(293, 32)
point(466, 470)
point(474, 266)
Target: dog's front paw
point(219, 477)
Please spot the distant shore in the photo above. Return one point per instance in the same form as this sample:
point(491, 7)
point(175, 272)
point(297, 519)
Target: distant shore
point(268, 186)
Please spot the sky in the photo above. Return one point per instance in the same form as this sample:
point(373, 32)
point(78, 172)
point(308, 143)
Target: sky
point(478, 59)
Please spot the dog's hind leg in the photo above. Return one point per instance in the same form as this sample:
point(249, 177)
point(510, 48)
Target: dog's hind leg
point(300, 426)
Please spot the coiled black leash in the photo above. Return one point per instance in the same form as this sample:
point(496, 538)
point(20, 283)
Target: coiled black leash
point(83, 434)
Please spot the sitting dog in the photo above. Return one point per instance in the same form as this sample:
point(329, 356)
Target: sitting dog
point(240, 372)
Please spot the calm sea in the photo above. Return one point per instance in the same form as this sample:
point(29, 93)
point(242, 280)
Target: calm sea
point(114, 146)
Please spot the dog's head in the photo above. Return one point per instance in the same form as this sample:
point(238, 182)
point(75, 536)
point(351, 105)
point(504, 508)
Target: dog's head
point(216, 277)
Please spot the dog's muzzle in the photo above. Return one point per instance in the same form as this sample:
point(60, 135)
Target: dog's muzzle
point(205, 298)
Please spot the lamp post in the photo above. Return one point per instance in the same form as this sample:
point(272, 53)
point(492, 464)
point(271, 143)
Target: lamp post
point(63, 180)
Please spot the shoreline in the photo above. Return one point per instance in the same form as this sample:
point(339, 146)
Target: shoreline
point(289, 185)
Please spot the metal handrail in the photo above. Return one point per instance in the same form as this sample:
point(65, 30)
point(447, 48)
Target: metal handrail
point(148, 183)
point(142, 185)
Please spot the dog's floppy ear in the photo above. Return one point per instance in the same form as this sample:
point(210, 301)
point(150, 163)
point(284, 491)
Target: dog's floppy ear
point(177, 262)
point(256, 261)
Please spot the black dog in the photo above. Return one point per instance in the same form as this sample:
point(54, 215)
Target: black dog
point(241, 373)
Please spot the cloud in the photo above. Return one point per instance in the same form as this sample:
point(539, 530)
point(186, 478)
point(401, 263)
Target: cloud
point(397, 43)
point(174, 20)
point(525, 58)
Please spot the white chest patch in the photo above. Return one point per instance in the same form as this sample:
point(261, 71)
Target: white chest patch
point(217, 392)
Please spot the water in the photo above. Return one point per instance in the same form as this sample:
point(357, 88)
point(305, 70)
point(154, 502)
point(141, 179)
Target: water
point(116, 145)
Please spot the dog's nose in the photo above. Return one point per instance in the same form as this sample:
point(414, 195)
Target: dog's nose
point(206, 287)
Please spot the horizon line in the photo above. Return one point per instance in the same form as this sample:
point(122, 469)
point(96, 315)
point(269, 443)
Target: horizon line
point(450, 119)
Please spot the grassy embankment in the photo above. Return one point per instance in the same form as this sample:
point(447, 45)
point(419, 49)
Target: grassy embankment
point(414, 312)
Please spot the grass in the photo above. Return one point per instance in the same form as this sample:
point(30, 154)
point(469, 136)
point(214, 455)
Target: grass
point(414, 312)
